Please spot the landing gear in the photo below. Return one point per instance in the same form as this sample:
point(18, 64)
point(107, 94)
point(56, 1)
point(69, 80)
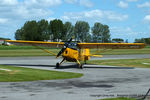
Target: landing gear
point(57, 65)
point(80, 66)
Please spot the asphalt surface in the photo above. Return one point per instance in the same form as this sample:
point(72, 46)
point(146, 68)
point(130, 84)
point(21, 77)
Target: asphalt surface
point(98, 81)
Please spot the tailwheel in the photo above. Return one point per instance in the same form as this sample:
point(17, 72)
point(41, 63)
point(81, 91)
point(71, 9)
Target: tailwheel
point(57, 65)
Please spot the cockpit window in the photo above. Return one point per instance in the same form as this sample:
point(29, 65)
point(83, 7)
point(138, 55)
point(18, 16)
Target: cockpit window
point(73, 45)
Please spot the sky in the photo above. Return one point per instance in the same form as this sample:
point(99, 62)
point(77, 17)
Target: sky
point(127, 19)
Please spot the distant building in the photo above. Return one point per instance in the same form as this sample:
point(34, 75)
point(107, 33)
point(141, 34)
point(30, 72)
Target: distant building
point(1, 42)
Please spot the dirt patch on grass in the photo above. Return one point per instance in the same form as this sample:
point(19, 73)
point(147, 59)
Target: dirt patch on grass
point(14, 72)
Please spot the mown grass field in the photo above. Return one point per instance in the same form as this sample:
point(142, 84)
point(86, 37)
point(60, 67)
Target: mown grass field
point(17, 74)
point(140, 63)
point(16, 51)
point(12, 51)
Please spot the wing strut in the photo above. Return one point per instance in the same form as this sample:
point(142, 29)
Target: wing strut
point(45, 50)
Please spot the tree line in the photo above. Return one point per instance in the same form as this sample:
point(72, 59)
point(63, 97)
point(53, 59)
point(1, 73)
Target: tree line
point(56, 30)
point(143, 40)
point(1, 38)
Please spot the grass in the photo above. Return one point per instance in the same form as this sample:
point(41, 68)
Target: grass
point(147, 46)
point(13, 47)
point(16, 51)
point(28, 52)
point(120, 98)
point(17, 74)
point(12, 51)
point(141, 63)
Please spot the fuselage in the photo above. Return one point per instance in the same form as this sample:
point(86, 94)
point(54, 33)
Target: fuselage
point(72, 55)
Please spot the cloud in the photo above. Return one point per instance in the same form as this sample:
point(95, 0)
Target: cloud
point(94, 15)
point(27, 9)
point(42, 3)
point(50, 18)
point(28, 13)
point(146, 4)
point(148, 27)
point(126, 33)
point(123, 4)
point(121, 29)
point(3, 20)
point(132, 0)
point(8, 2)
point(113, 16)
point(71, 1)
point(14, 13)
point(24, 13)
point(82, 15)
point(86, 3)
point(147, 18)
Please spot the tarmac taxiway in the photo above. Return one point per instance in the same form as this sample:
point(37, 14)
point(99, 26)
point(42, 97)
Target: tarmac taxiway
point(98, 81)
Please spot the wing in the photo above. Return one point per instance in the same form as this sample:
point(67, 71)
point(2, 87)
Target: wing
point(112, 45)
point(37, 43)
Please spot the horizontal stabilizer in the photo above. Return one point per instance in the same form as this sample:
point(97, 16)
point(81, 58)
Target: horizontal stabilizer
point(96, 55)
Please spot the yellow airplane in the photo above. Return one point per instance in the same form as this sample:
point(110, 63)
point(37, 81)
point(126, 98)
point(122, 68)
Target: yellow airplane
point(77, 52)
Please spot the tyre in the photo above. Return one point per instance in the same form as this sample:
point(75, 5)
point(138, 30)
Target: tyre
point(57, 65)
point(81, 66)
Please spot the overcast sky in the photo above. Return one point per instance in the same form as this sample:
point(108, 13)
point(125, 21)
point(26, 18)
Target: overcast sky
point(127, 19)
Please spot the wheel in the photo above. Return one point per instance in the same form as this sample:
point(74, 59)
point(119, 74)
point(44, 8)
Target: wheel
point(81, 66)
point(57, 65)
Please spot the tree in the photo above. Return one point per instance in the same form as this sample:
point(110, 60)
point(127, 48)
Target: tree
point(143, 40)
point(106, 34)
point(19, 34)
point(139, 40)
point(97, 32)
point(68, 31)
point(43, 31)
point(81, 30)
point(100, 33)
point(147, 40)
point(117, 40)
point(88, 38)
point(1, 38)
point(56, 27)
point(28, 32)
point(31, 31)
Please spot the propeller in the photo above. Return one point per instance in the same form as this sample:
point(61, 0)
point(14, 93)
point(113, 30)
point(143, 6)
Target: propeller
point(64, 48)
